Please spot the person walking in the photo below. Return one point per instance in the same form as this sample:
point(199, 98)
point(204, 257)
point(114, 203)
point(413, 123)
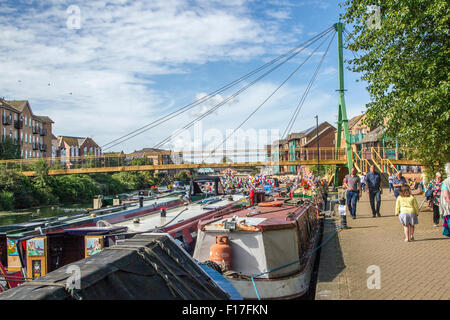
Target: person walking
point(444, 204)
point(391, 182)
point(398, 181)
point(436, 185)
point(374, 189)
point(363, 182)
point(352, 184)
point(407, 209)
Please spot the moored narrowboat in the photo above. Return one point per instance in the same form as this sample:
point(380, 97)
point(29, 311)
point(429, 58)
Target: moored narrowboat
point(266, 251)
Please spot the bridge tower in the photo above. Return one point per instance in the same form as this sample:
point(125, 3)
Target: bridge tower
point(342, 112)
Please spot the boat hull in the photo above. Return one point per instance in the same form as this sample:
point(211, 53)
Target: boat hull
point(291, 287)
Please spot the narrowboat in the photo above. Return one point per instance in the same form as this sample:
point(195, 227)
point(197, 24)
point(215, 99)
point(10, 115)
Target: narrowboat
point(266, 251)
point(11, 234)
point(147, 266)
point(180, 222)
point(203, 187)
point(33, 257)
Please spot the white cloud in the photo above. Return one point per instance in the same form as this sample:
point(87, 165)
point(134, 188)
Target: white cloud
point(96, 73)
point(104, 77)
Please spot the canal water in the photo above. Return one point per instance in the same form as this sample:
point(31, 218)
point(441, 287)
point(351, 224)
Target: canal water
point(18, 216)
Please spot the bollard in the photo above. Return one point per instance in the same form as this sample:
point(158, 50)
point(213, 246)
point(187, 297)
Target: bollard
point(343, 214)
point(141, 202)
point(163, 212)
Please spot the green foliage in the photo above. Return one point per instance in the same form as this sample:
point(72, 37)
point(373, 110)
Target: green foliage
point(74, 188)
point(141, 161)
point(8, 150)
point(183, 176)
point(6, 200)
point(405, 63)
point(19, 191)
point(323, 169)
point(25, 193)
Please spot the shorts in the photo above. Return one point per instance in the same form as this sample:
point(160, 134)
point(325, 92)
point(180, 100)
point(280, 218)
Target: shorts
point(408, 219)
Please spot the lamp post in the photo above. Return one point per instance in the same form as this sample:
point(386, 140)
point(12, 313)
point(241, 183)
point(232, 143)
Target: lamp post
point(317, 134)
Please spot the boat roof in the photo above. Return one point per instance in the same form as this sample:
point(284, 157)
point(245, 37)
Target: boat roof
point(258, 218)
point(191, 211)
point(95, 230)
point(206, 178)
point(62, 221)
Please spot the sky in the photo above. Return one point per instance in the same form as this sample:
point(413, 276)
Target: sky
point(105, 68)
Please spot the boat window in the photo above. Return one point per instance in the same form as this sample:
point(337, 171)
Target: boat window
point(3, 251)
point(179, 236)
point(193, 232)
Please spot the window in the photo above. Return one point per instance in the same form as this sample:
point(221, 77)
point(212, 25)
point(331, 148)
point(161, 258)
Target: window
point(85, 151)
point(26, 123)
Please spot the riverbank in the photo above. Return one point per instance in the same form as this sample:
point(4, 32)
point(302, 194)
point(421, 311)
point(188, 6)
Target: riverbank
point(20, 192)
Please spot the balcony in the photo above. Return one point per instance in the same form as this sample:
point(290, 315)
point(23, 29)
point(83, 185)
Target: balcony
point(35, 146)
point(7, 120)
point(43, 147)
point(18, 124)
point(354, 138)
point(43, 132)
point(35, 130)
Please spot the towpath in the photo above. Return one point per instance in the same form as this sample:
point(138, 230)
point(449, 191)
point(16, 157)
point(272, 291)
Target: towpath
point(372, 261)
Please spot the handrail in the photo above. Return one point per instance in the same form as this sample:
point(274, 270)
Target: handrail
point(363, 163)
point(376, 158)
point(385, 163)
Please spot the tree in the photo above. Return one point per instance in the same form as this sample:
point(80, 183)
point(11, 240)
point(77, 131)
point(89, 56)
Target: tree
point(405, 62)
point(141, 161)
point(324, 169)
point(225, 159)
point(8, 150)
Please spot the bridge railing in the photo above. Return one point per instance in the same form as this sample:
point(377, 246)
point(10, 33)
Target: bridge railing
point(285, 159)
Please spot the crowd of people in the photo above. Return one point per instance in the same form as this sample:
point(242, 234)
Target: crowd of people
point(407, 209)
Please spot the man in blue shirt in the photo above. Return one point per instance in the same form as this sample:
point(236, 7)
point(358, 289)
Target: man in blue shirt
point(399, 181)
point(373, 180)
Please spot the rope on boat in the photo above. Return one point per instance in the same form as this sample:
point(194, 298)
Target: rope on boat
point(294, 262)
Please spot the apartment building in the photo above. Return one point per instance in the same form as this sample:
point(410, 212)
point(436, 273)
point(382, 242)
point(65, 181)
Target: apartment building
point(30, 132)
point(303, 146)
point(69, 147)
point(363, 138)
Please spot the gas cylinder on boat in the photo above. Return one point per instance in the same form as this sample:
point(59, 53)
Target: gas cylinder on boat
point(220, 252)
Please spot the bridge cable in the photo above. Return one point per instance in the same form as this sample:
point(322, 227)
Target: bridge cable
point(231, 97)
point(254, 111)
point(305, 94)
point(209, 96)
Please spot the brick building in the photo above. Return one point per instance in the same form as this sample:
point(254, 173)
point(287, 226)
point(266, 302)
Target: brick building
point(302, 146)
point(30, 132)
point(69, 147)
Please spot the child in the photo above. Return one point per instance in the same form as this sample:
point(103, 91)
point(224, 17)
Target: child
point(407, 209)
